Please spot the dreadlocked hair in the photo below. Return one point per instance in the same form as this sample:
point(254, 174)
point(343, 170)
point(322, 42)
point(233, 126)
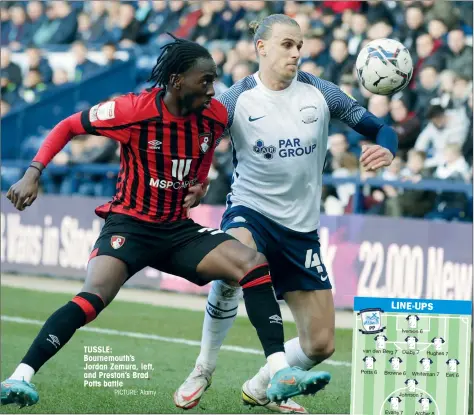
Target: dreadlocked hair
point(177, 57)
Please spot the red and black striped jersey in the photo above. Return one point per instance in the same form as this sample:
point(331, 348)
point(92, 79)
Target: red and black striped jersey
point(161, 155)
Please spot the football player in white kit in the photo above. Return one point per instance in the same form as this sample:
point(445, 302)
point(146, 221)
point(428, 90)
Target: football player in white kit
point(278, 124)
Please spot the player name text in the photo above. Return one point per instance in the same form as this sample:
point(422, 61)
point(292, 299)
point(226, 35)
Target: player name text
point(116, 375)
point(117, 366)
point(392, 372)
point(437, 353)
point(424, 374)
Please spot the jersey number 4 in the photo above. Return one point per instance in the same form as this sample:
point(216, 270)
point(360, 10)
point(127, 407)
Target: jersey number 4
point(313, 260)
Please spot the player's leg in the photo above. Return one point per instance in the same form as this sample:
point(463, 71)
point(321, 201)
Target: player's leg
point(219, 319)
point(221, 310)
point(216, 255)
point(105, 276)
point(314, 315)
point(236, 262)
point(308, 294)
point(116, 257)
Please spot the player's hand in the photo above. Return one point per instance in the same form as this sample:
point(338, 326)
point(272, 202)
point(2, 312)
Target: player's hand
point(195, 194)
point(374, 157)
point(23, 193)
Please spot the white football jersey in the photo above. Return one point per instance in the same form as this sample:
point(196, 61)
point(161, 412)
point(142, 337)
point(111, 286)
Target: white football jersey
point(380, 341)
point(395, 362)
point(438, 343)
point(411, 384)
point(369, 362)
point(412, 321)
point(411, 341)
point(425, 403)
point(452, 364)
point(395, 402)
point(426, 363)
point(279, 141)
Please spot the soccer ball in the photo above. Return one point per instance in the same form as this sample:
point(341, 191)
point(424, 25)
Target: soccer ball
point(384, 66)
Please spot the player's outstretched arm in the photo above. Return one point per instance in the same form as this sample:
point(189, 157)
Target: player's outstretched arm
point(349, 111)
point(24, 192)
point(379, 155)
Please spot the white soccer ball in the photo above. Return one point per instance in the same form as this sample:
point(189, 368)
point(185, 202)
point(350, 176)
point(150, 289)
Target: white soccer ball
point(384, 66)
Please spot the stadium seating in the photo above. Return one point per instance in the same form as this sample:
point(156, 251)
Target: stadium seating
point(107, 48)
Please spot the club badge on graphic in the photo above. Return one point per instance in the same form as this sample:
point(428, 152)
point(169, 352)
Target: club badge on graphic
point(371, 319)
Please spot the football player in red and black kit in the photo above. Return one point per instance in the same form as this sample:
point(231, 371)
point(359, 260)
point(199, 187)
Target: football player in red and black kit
point(167, 134)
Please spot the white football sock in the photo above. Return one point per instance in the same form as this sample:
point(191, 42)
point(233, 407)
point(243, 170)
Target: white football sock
point(221, 310)
point(295, 356)
point(23, 372)
point(276, 362)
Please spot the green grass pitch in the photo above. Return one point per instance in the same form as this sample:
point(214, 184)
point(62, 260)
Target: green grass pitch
point(60, 382)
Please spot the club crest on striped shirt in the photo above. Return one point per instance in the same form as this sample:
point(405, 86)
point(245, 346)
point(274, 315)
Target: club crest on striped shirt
point(117, 241)
point(205, 141)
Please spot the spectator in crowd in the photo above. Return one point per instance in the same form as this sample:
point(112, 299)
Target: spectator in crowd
point(5, 24)
point(444, 127)
point(434, 111)
point(127, 28)
point(109, 50)
point(378, 11)
point(440, 9)
point(60, 77)
point(33, 86)
point(9, 91)
point(314, 49)
point(427, 89)
point(10, 70)
point(98, 18)
point(358, 33)
point(84, 67)
point(340, 62)
point(37, 61)
point(36, 16)
point(61, 26)
point(412, 202)
point(20, 29)
point(459, 57)
point(438, 30)
point(4, 108)
point(427, 54)
point(451, 205)
point(405, 122)
point(414, 27)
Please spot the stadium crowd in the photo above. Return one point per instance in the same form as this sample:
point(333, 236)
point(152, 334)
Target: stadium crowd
point(432, 116)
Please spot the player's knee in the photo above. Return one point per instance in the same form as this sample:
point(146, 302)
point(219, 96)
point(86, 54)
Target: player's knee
point(252, 260)
point(91, 304)
point(320, 346)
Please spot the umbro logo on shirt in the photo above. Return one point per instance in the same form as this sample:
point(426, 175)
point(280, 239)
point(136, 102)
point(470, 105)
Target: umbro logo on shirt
point(154, 145)
point(255, 119)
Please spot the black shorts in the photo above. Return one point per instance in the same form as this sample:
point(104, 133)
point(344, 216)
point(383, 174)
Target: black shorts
point(176, 248)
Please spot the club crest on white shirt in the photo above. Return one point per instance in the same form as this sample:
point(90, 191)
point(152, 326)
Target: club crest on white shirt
point(309, 114)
